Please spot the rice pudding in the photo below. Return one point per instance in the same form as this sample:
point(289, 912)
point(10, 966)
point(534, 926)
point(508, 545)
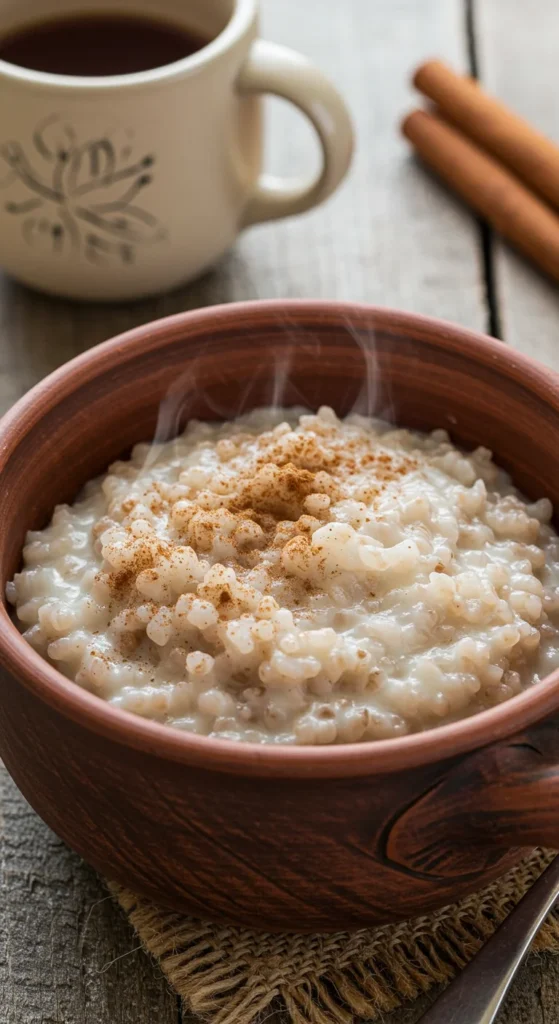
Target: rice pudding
point(296, 578)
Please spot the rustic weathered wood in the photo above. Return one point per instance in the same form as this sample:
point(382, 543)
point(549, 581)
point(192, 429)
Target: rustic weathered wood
point(390, 236)
point(517, 59)
point(67, 953)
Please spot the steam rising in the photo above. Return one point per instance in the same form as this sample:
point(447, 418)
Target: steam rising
point(272, 382)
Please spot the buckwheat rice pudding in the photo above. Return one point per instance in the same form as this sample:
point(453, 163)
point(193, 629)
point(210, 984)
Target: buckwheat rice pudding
point(291, 578)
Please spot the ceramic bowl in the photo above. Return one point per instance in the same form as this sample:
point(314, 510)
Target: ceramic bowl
point(297, 838)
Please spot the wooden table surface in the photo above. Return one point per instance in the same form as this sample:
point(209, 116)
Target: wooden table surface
point(391, 236)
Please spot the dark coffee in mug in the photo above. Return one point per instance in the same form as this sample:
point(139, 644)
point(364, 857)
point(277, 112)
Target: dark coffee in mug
point(98, 44)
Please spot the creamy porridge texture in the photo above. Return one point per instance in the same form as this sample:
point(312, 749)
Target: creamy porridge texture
point(296, 578)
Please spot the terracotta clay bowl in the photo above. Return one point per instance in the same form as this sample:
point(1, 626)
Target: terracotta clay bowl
point(302, 838)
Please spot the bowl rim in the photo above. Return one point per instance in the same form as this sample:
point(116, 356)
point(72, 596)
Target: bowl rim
point(341, 760)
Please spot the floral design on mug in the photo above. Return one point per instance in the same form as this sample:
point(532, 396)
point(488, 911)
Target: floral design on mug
point(83, 195)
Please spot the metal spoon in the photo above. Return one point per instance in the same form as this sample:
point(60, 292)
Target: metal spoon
point(477, 994)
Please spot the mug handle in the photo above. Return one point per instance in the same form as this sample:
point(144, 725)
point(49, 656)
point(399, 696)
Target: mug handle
point(275, 69)
point(505, 796)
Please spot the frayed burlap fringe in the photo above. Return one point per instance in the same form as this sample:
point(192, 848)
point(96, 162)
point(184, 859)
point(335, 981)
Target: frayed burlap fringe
point(233, 975)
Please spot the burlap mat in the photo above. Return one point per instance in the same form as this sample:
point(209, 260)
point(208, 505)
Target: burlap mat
point(233, 975)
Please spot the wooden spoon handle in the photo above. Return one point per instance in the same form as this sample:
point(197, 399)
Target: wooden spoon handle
point(477, 994)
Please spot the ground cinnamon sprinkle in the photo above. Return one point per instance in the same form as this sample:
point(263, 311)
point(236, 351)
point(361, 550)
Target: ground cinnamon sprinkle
point(283, 486)
point(121, 581)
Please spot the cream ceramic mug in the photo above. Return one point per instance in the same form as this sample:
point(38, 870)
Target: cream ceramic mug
point(124, 186)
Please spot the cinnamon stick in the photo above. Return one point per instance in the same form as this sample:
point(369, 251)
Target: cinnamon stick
point(530, 154)
point(488, 187)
